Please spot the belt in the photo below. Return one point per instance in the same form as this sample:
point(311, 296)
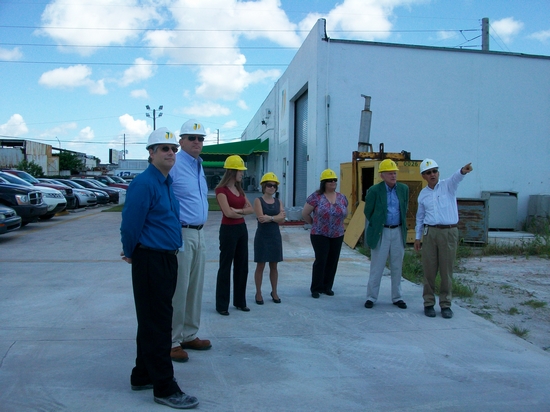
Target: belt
point(168, 252)
point(391, 226)
point(199, 227)
point(442, 226)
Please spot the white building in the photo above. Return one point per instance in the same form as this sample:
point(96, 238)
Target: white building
point(455, 106)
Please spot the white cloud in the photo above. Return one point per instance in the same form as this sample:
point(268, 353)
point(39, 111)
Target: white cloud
point(139, 94)
point(60, 130)
point(241, 104)
point(86, 134)
point(15, 126)
point(71, 77)
point(506, 28)
point(11, 55)
point(135, 129)
point(542, 36)
point(206, 110)
point(363, 19)
point(141, 70)
point(446, 35)
point(97, 23)
point(230, 124)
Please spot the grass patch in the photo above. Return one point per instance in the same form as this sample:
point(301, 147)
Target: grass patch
point(518, 331)
point(484, 315)
point(213, 205)
point(513, 311)
point(535, 304)
point(116, 208)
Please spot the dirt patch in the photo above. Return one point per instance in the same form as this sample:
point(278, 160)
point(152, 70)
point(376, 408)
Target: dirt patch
point(512, 292)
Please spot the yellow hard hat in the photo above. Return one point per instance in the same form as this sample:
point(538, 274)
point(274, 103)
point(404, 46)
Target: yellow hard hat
point(234, 162)
point(328, 174)
point(388, 165)
point(269, 177)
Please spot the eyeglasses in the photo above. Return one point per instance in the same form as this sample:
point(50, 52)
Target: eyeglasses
point(271, 185)
point(429, 172)
point(168, 148)
point(193, 138)
point(331, 180)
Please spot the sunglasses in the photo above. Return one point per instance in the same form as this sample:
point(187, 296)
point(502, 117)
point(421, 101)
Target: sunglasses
point(429, 172)
point(271, 185)
point(193, 138)
point(168, 148)
point(331, 180)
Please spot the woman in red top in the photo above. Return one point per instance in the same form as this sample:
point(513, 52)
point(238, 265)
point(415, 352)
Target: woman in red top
point(233, 237)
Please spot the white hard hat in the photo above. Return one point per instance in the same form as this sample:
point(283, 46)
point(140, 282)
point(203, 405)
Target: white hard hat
point(192, 127)
point(161, 136)
point(427, 164)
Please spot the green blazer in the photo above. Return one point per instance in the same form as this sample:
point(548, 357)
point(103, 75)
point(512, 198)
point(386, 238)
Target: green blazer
point(376, 210)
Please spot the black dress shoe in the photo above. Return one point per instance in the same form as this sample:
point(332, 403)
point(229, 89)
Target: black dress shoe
point(315, 295)
point(446, 313)
point(243, 308)
point(369, 304)
point(223, 312)
point(329, 293)
point(400, 304)
point(275, 300)
point(429, 311)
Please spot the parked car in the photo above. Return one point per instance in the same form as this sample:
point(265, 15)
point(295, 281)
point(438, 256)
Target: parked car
point(119, 179)
point(109, 181)
point(67, 192)
point(83, 197)
point(113, 193)
point(52, 197)
point(101, 196)
point(27, 202)
point(9, 220)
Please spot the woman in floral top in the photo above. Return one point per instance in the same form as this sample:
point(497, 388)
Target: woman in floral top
point(325, 210)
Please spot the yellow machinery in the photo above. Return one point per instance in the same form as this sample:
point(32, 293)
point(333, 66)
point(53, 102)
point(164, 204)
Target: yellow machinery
point(357, 176)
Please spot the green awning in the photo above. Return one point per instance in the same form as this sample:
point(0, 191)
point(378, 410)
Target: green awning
point(217, 152)
point(211, 163)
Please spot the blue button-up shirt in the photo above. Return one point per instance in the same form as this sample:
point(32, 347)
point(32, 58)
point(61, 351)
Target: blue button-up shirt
point(151, 213)
point(190, 188)
point(393, 217)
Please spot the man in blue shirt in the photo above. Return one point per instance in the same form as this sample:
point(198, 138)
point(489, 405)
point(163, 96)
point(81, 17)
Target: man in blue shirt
point(151, 239)
point(191, 190)
point(386, 206)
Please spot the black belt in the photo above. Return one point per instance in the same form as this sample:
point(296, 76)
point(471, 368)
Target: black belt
point(199, 227)
point(391, 226)
point(168, 252)
point(442, 226)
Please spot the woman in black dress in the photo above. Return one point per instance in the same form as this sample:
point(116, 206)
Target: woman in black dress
point(268, 246)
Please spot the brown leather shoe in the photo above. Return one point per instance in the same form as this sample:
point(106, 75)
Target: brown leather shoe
point(179, 355)
point(197, 344)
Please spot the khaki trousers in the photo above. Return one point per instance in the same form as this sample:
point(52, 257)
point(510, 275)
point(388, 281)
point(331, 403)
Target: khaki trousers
point(439, 253)
point(187, 300)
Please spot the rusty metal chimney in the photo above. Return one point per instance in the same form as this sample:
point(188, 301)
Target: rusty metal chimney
point(364, 128)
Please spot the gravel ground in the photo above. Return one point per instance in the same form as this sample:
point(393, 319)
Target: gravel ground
point(508, 292)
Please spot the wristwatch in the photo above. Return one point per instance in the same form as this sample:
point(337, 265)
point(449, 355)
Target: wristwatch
point(272, 218)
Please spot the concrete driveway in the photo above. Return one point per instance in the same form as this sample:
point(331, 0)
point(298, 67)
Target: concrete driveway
point(67, 330)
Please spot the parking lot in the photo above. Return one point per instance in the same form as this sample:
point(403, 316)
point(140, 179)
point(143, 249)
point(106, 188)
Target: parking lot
point(67, 336)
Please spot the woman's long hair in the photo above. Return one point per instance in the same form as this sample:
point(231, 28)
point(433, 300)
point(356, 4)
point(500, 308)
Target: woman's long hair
point(227, 176)
point(322, 187)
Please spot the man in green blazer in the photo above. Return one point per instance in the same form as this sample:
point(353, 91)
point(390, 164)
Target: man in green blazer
point(386, 206)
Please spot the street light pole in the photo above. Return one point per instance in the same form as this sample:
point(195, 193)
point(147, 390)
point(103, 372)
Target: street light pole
point(155, 116)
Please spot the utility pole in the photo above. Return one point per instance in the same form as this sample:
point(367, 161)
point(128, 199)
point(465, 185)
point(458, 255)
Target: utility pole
point(485, 34)
point(124, 154)
point(218, 135)
point(155, 115)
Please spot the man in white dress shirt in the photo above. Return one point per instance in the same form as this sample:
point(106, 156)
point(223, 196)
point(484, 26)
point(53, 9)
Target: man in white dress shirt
point(436, 228)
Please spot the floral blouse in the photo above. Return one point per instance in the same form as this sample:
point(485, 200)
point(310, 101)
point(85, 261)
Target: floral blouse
point(328, 218)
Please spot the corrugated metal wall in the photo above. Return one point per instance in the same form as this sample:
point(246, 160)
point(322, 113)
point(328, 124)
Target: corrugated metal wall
point(300, 150)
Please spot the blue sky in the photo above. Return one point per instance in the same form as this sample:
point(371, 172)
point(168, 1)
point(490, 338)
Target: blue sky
point(78, 74)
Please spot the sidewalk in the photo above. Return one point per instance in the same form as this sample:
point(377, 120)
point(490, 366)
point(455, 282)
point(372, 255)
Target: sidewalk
point(67, 330)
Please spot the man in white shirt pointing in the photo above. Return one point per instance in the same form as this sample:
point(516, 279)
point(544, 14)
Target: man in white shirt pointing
point(436, 228)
